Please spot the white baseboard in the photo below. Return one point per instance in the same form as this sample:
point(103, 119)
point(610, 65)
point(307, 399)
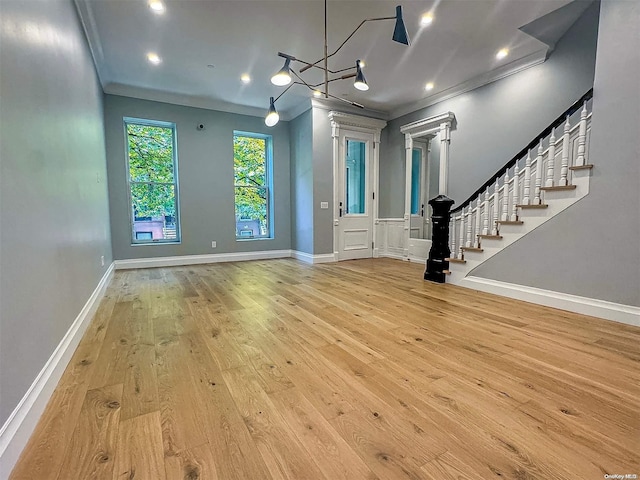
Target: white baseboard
point(16, 431)
point(313, 259)
point(587, 306)
point(397, 256)
point(200, 259)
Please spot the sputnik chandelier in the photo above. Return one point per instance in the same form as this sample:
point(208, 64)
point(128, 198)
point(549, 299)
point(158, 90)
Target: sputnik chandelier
point(284, 76)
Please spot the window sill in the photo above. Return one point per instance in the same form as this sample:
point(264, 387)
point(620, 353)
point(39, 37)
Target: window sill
point(145, 244)
point(239, 239)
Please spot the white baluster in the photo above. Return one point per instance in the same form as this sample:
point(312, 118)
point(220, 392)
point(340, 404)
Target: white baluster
point(582, 136)
point(485, 214)
point(537, 200)
point(496, 209)
point(551, 159)
point(469, 234)
point(477, 231)
point(462, 230)
point(452, 236)
point(516, 193)
point(527, 181)
point(505, 198)
point(564, 167)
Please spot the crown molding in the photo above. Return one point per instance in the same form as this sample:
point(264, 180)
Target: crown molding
point(88, 22)
point(509, 69)
point(182, 99)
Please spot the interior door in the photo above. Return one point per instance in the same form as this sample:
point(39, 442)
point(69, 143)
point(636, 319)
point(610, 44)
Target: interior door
point(355, 202)
point(419, 185)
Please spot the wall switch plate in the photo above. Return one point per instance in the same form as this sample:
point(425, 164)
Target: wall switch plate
point(324, 205)
point(213, 244)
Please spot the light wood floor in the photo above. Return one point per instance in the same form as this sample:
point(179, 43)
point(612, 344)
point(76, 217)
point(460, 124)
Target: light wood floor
point(358, 370)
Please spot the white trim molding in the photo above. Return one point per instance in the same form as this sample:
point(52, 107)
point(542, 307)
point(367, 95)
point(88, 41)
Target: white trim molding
point(496, 74)
point(312, 258)
point(199, 259)
point(586, 306)
point(16, 431)
point(367, 125)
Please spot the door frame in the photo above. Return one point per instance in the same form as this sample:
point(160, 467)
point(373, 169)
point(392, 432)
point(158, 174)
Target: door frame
point(343, 123)
point(425, 130)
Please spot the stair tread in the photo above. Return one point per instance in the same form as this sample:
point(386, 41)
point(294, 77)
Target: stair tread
point(558, 188)
point(494, 237)
point(472, 249)
point(511, 222)
point(581, 167)
point(455, 260)
point(533, 207)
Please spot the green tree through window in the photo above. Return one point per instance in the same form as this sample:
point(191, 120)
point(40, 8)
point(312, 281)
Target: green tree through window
point(251, 162)
point(152, 181)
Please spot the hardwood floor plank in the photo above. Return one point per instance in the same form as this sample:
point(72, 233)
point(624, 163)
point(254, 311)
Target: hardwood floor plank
point(284, 456)
point(359, 370)
point(322, 443)
point(197, 463)
point(92, 449)
point(139, 449)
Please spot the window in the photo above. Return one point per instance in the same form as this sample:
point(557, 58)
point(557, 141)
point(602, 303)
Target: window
point(252, 164)
point(153, 181)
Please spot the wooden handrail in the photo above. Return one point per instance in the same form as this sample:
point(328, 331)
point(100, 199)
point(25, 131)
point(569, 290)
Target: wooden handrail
point(534, 143)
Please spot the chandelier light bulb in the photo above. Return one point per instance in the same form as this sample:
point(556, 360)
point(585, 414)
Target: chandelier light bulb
point(361, 82)
point(272, 117)
point(283, 77)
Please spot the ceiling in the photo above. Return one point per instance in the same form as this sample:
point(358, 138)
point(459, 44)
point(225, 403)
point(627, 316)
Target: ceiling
point(206, 45)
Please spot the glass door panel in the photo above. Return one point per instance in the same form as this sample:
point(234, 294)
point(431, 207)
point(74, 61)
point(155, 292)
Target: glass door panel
point(355, 175)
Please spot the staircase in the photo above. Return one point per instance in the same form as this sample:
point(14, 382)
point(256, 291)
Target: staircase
point(548, 176)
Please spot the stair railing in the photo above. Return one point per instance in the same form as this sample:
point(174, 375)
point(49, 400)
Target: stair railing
point(545, 164)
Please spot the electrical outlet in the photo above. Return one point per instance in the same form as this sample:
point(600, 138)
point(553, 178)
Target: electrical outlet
point(324, 205)
point(213, 244)
point(102, 260)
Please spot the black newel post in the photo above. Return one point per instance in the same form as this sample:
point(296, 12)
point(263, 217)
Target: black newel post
point(436, 264)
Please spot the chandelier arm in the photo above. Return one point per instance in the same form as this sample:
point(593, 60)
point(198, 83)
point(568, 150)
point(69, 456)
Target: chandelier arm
point(287, 89)
point(343, 77)
point(303, 69)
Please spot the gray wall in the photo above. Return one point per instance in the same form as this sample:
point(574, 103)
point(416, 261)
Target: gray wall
point(322, 182)
point(496, 121)
point(301, 135)
point(53, 195)
point(591, 249)
point(205, 175)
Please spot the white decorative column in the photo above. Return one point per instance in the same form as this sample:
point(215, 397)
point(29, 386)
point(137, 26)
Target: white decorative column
point(408, 158)
point(537, 192)
point(564, 166)
point(582, 136)
point(551, 160)
point(445, 140)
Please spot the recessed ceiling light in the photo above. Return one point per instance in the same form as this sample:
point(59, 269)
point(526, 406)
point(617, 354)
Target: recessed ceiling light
point(154, 58)
point(429, 86)
point(426, 19)
point(245, 79)
point(503, 52)
point(317, 93)
point(156, 6)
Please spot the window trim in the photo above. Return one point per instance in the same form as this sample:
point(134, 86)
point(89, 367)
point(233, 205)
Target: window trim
point(152, 123)
point(268, 185)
